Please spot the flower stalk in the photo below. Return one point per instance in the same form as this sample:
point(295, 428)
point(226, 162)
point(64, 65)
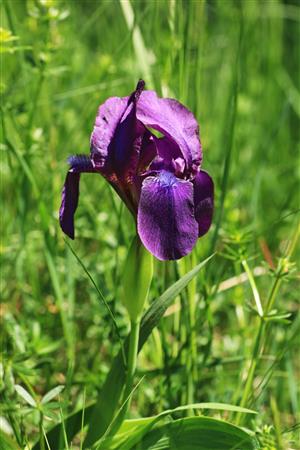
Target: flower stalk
point(192, 352)
point(131, 363)
point(136, 280)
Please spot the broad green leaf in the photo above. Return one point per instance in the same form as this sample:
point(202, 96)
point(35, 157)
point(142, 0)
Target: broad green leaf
point(25, 395)
point(132, 431)
point(103, 411)
point(110, 393)
point(197, 433)
point(51, 394)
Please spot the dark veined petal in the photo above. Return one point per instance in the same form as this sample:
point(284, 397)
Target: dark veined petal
point(147, 153)
point(167, 149)
point(107, 120)
point(176, 122)
point(117, 136)
point(203, 200)
point(70, 192)
point(166, 222)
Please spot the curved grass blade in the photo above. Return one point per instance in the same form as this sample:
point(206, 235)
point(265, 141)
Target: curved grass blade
point(132, 431)
point(101, 296)
point(100, 415)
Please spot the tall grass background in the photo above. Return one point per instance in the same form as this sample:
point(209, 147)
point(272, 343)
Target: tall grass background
point(235, 64)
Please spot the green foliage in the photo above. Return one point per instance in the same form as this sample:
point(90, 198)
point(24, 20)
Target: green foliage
point(199, 432)
point(229, 336)
point(136, 279)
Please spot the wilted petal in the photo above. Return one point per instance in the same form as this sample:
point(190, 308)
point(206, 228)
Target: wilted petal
point(203, 200)
point(166, 222)
point(176, 122)
point(70, 192)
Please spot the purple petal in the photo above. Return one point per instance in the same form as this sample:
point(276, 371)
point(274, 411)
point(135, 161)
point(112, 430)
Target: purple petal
point(81, 163)
point(167, 149)
point(107, 120)
point(176, 122)
point(117, 136)
point(69, 202)
point(166, 222)
point(203, 200)
point(70, 192)
point(148, 152)
point(168, 157)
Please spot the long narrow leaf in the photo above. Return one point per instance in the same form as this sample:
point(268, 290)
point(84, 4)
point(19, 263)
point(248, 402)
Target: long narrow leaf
point(100, 415)
point(110, 393)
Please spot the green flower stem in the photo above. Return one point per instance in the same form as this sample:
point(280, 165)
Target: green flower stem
point(192, 352)
point(252, 368)
point(132, 359)
point(259, 341)
point(131, 368)
point(42, 440)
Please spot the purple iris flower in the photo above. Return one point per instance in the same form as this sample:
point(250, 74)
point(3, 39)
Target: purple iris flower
point(158, 178)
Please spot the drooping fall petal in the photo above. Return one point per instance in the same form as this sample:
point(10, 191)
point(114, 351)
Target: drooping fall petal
point(166, 222)
point(70, 192)
point(203, 200)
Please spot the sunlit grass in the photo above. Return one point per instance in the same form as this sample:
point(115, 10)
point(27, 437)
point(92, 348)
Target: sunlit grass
point(236, 66)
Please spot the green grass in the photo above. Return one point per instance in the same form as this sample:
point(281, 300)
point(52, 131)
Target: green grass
point(235, 64)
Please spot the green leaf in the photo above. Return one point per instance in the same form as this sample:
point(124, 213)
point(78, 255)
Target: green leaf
point(72, 425)
point(100, 414)
point(280, 317)
point(110, 393)
point(6, 442)
point(198, 433)
point(51, 394)
point(25, 395)
point(132, 431)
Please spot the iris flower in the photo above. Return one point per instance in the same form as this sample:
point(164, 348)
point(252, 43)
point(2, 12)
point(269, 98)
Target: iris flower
point(158, 178)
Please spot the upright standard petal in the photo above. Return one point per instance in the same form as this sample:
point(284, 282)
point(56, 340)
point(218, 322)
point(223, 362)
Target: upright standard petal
point(169, 157)
point(176, 122)
point(107, 120)
point(166, 222)
point(204, 201)
point(117, 136)
point(70, 192)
